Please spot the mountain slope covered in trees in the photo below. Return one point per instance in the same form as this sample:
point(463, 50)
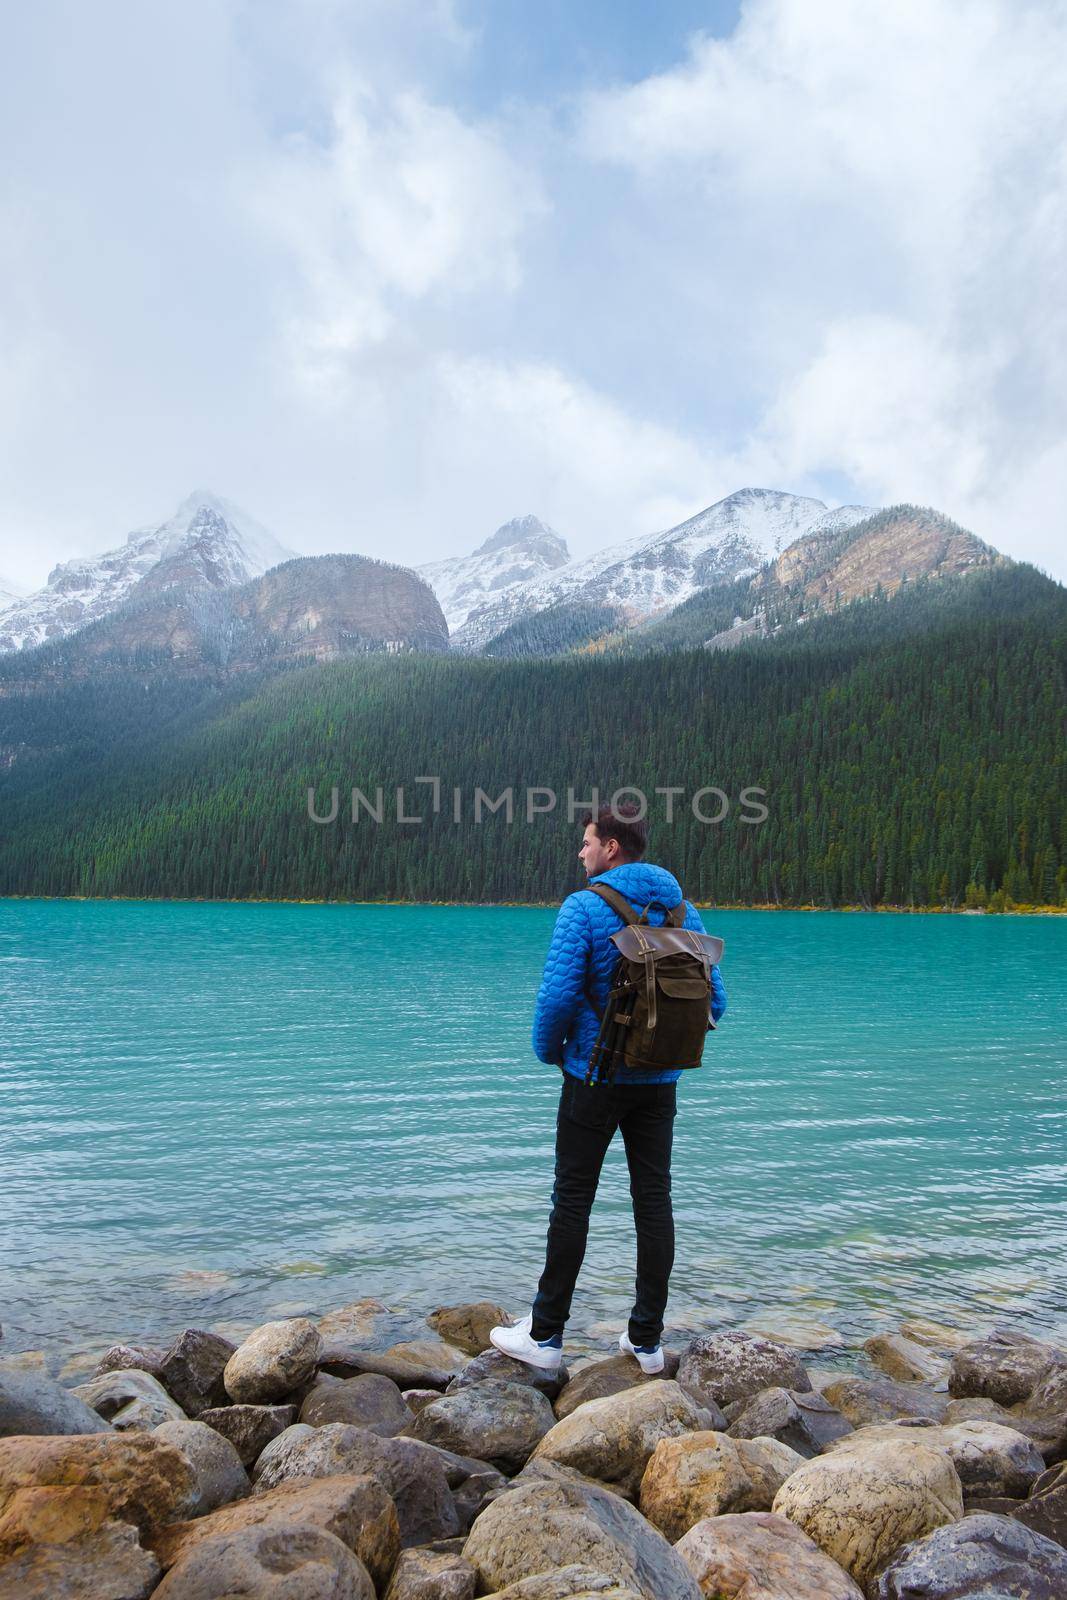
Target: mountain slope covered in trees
point(911, 749)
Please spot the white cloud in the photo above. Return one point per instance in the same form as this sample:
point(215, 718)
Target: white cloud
point(896, 182)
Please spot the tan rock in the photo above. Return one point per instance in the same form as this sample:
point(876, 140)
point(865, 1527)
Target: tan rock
point(612, 1439)
point(707, 1474)
point(352, 1323)
point(861, 1506)
point(273, 1361)
point(542, 1524)
point(866, 1400)
point(610, 1376)
point(758, 1556)
point(355, 1509)
point(989, 1459)
point(467, 1326)
point(107, 1564)
point(147, 1481)
point(934, 1335)
point(272, 1562)
point(577, 1581)
point(905, 1359)
point(50, 1516)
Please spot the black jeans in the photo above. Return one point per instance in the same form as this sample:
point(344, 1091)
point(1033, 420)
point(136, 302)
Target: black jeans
point(585, 1126)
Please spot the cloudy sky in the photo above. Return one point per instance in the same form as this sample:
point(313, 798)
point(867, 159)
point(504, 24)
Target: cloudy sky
point(389, 272)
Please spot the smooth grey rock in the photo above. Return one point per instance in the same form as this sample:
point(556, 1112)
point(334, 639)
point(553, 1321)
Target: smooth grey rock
point(192, 1370)
point(220, 1476)
point(984, 1557)
point(730, 1365)
point(126, 1357)
point(1044, 1414)
point(249, 1428)
point(1045, 1509)
point(807, 1423)
point(867, 1400)
point(546, 1523)
point(269, 1563)
point(1005, 1367)
point(33, 1403)
point(497, 1422)
point(370, 1400)
point(130, 1398)
point(426, 1574)
point(576, 1581)
point(414, 1478)
point(495, 1364)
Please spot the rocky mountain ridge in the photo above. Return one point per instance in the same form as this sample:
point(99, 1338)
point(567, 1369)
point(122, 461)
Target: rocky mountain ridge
point(208, 543)
point(519, 552)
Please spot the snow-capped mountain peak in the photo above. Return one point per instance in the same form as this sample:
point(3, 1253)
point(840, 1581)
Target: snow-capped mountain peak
point(652, 573)
point(519, 552)
point(208, 542)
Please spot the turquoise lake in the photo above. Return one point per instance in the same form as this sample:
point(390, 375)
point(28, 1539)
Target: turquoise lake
point(213, 1113)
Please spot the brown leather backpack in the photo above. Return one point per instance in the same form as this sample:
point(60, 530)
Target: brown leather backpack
point(658, 1011)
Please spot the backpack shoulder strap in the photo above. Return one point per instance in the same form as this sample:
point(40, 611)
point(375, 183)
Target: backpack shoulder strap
point(615, 900)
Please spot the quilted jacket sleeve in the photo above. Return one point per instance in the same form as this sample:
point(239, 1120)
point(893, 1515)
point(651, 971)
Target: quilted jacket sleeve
point(563, 983)
point(718, 988)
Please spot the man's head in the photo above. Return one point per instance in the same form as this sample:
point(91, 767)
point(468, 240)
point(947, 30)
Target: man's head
point(611, 838)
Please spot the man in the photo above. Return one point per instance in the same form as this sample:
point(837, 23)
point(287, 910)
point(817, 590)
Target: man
point(579, 968)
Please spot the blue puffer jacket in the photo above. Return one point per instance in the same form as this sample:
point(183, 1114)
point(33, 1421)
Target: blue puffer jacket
point(565, 1024)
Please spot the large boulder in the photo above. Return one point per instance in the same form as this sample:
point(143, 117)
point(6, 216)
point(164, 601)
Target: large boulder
point(407, 1470)
point(220, 1476)
point(273, 1361)
point(288, 1562)
point(989, 1459)
point(612, 1439)
point(986, 1557)
point(35, 1515)
point(505, 1369)
point(546, 1523)
point(467, 1326)
point(353, 1507)
point(370, 1400)
point(423, 1573)
point(806, 1422)
point(106, 1564)
point(192, 1370)
point(496, 1422)
point(759, 1556)
point(1005, 1367)
point(699, 1475)
point(30, 1402)
point(906, 1359)
point(865, 1400)
point(249, 1428)
point(610, 1376)
point(130, 1398)
point(861, 1505)
point(146, 1481)
point(730, 1365)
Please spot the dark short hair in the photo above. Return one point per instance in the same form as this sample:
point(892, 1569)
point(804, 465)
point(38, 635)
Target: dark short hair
point(623, 823)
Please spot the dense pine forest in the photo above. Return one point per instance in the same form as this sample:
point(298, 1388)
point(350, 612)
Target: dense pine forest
point(912, 751)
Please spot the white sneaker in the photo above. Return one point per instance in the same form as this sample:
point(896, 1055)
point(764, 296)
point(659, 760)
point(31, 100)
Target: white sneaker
point(517, 1343)
point(649, 1357)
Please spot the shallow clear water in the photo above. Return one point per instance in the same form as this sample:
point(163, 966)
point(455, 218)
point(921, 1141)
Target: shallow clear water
point(213, 1111)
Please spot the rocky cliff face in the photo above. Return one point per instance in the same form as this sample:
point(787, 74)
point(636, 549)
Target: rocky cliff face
point(314, 607)
point(207, 543)
point(885, 550)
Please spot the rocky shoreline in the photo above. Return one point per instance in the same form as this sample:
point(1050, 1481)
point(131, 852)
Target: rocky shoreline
point(305, 1463)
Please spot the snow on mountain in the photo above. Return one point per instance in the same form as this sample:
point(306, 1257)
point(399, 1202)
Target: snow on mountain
point(651, 574)
point(207, 543)
point(9, 593)
point(518, 552)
